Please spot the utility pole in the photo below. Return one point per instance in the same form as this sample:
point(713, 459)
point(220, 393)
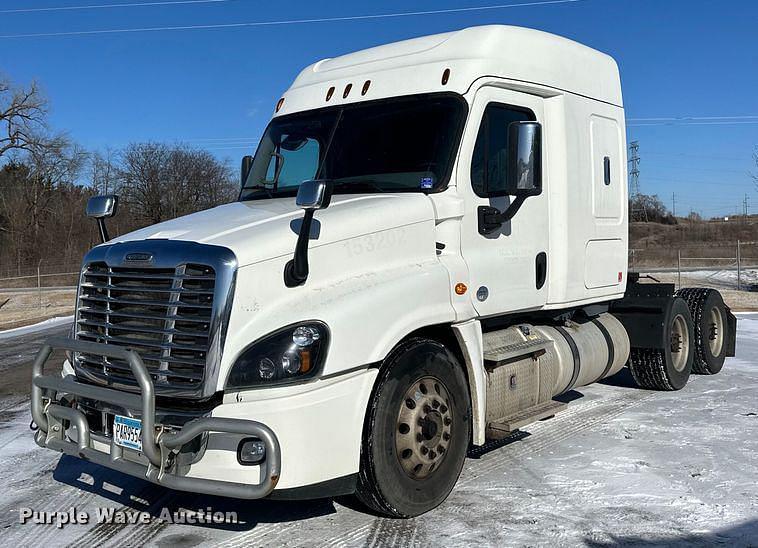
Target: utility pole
point(638, 212)
point(739, 266)
point(745, 207)
point(673, 204)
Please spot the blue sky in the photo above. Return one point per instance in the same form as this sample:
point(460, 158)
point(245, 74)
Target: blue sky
point(216, 88)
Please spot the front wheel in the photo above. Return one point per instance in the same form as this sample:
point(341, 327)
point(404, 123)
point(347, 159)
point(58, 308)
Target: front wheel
point(417, 431)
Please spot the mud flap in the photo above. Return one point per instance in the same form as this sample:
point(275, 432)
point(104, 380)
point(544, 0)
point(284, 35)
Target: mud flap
point(730, 340)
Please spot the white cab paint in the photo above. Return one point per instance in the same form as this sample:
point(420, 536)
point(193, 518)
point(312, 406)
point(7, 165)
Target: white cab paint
point(377, 272)
point(503, 262)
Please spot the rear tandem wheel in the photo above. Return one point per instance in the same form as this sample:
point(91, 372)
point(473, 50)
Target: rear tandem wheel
point(709, 315)
point(667, 368)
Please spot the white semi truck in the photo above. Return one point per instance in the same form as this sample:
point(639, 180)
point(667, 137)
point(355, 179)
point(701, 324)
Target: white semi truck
point(460, 263)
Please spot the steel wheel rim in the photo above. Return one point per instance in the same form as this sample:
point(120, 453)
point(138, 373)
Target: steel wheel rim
point(424, 427)
point(715, 331)
point(680, 343)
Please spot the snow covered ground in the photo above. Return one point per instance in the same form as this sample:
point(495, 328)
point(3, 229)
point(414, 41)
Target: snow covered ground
point(621, 466)
point(726, 278)
point(37, 327)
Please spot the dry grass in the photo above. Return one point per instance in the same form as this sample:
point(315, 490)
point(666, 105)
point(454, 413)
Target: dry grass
point(738, 301)
point(657, 245)
point(28, 308)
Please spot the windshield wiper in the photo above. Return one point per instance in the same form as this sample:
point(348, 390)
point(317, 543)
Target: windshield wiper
point(258, 187)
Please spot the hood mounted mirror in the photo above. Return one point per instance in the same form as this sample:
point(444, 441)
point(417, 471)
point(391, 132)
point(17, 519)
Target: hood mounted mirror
point(311, 195)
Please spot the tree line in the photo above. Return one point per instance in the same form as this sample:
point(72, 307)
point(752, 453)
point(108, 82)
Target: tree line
point(46, 180)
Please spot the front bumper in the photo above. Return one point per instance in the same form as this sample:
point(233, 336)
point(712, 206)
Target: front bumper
point(159, 446)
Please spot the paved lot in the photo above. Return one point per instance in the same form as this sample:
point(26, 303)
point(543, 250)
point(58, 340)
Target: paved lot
point(621, 466)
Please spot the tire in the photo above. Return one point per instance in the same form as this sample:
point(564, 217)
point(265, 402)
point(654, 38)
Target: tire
point(667, 368)
point(709, 315)
point(407, 469)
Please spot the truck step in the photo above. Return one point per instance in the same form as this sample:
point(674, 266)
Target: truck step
point(504, 427)
point(514, 352)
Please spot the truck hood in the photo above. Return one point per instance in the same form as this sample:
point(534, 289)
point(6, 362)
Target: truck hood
point(263, 229)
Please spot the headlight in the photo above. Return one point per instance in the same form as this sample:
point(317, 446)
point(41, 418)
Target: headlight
point(292, 354)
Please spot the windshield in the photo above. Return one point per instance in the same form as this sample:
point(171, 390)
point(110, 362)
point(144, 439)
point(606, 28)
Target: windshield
point(394, 145)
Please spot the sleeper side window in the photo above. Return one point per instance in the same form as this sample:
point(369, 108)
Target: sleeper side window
point(489, 161)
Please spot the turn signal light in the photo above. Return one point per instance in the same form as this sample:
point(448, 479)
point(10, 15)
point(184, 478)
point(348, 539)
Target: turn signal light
point(460, 288)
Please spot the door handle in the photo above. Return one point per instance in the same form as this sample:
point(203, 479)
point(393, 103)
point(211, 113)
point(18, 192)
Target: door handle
point(540, 269)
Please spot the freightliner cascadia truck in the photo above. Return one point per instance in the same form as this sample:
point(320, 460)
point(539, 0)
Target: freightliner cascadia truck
point(429, 247)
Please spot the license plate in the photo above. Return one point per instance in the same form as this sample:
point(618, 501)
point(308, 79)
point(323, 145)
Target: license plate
point(127, 432)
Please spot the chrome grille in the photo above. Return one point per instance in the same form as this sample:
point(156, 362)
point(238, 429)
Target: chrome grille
point(165, 314)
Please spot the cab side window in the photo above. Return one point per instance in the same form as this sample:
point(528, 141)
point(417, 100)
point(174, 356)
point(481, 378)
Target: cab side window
point(489, 162)
point(296, 161)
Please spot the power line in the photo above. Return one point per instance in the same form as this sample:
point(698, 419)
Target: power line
point(679, 168)
point(686, 123)
point(293, 21)
point(693, 118)
point(205, 139)
point(108, 6)
point(695, 182)
point(698, 156)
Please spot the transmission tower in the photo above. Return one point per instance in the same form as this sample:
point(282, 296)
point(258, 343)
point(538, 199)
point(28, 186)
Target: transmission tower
point(638, 211)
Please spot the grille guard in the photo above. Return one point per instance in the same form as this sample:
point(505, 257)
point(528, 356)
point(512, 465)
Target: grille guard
point(158, 445)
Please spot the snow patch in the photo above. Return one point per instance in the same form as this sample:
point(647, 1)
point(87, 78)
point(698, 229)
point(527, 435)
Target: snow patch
point(41, 326)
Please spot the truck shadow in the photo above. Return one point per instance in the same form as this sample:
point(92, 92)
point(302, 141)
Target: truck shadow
point(139, 495)
point(743, 534)
point(622, 379)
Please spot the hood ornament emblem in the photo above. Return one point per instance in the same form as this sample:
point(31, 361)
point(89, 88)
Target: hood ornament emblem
point(139, 258)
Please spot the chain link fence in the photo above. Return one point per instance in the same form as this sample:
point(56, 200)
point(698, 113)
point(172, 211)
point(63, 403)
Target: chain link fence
point(723, 265)
point(37, 291)
point(32, 293)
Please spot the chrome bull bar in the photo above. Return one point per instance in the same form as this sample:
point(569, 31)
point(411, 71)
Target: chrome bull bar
point(158, 445)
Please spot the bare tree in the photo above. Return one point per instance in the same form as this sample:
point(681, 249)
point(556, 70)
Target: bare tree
point(104, 171)
point(653, 206)
point(30, 195)
point(22, 117)
point(161, 181)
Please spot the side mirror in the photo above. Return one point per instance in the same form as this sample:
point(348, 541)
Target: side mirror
point(524, 176)
point(247, 164)
point(314, 194)
point(101, 208)
point(311, 195)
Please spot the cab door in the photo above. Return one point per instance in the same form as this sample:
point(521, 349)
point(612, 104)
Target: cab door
point(508, 268)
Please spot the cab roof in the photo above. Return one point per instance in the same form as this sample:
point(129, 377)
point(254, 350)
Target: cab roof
point(417, 66)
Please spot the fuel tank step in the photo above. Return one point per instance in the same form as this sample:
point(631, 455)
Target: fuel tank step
point(502, 428)
point(509, 353)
